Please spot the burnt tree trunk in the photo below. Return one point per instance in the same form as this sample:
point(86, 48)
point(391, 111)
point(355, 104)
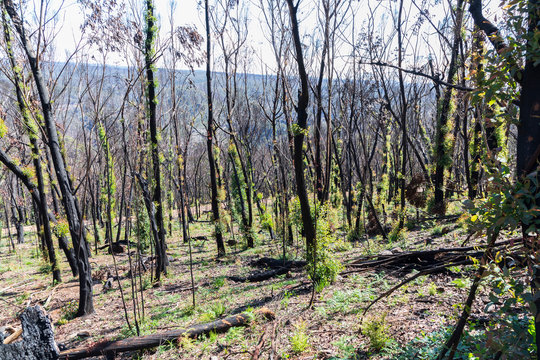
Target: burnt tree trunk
point(77, 230)
point(37, 338)
point(210, 137)
point(149, 53)
point(299, 134)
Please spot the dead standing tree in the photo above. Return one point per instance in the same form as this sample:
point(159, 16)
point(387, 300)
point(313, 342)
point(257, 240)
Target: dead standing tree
point(299, 132)
point(210, 139)
point(151, 84)
point(70, 202)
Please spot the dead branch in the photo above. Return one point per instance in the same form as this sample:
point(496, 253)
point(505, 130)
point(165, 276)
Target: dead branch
point(258, 348)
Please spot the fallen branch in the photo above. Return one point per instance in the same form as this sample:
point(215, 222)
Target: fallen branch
point(259, 346)
point(277, 267)
point(411, 278)
point(425, 257)
point(11, 338)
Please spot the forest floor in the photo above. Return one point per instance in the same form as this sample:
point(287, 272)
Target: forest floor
point(332, 329)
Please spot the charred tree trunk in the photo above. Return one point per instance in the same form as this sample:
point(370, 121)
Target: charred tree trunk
point(209, 139)
point(78, 233)
point(441, 151)
point(149, 54)
point(299, 134)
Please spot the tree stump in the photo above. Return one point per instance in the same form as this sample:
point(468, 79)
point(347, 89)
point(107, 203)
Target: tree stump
point(37, 338)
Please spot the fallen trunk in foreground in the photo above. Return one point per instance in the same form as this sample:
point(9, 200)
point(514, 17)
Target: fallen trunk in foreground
point(110, 348)
point(38, 337)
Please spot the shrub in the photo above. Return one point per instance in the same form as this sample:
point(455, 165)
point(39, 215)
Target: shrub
point(376, 330)
point(300, 338)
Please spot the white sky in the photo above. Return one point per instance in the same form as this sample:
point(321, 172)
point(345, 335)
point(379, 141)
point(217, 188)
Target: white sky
point(189, 12)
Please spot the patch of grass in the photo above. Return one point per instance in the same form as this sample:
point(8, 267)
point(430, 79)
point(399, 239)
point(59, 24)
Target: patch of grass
point(432, 289)
point(397, 235)
point(346, 347)
point(286, 299)
point(437, 230)
point(21, 298)
point(146, 283)
point(215, 311)
point(68, 312)
point(462, 283)
point(299, 338)
point(343, 301)
point(219, 282)
point(45, 268)
point(234, 335)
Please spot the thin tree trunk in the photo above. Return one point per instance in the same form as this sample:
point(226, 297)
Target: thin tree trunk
point(149, 53)
point(210, 138)
point(78, 233)
point(299, 134)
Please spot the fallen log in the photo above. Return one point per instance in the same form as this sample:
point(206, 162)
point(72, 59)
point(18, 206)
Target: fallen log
point(37, 338)
point(277, 267)
point(260, 276)
point(111, 348)
point(272, 263)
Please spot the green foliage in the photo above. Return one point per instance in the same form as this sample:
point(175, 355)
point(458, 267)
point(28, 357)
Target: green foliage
point(213, 312)
point(346, 347)
point(508, 205)
point(69, 310)
point(355, 234)
point(348, 301)
point(376, 331)
point(397, 234)
point(462, 283)
point(437, 230)
point(219, 282)
point(327, 264)
point(61, 228)
point(141, 226)
point(3, 128)
point(300, 340)
point(266, 220)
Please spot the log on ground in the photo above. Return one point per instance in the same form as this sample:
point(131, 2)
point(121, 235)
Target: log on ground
point(111, 348)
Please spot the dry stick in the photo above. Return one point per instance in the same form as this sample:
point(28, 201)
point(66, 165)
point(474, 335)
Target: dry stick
point(273, 339)
point(260, 345)
point(421, 273)
point(11, 338)
point(132, 269)
point(453, 341)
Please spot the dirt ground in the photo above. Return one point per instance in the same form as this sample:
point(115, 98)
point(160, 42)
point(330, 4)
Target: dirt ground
point(331, 329)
